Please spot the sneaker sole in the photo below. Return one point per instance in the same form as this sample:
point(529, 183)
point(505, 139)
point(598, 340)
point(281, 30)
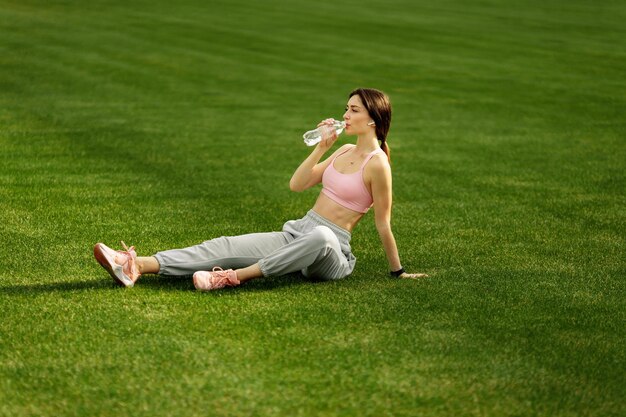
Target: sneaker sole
point(116, 272)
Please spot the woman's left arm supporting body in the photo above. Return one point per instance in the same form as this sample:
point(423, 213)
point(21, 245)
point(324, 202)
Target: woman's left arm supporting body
point(381, 185)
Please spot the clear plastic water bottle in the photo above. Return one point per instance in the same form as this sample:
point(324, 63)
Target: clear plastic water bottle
point(313, 137)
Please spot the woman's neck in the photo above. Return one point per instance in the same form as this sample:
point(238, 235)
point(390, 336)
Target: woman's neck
point(367, 143)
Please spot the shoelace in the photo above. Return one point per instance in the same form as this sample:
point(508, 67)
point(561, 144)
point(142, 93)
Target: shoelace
point(221, 277)
point(126, 248)
point(130, 259)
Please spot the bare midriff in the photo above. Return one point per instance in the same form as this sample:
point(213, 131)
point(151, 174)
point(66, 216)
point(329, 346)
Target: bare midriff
point(336, 213)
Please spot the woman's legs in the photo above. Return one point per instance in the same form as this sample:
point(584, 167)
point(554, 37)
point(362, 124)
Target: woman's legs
point(317, 252)
point(234, 252)
point(241, 252)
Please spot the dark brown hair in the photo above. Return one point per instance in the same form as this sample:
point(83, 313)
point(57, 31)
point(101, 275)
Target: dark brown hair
point(378, 107)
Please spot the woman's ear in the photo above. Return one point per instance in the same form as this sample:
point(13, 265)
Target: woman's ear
point(371, 124)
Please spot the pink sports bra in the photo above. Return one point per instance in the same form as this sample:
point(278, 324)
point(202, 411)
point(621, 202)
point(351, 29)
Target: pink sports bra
point(348, 189)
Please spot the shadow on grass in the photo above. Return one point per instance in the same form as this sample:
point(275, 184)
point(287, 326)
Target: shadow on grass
point(155, 282)
point(26, 289)
point(162, 282)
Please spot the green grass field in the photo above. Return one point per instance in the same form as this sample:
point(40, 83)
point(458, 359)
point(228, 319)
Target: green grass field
point(164, 124)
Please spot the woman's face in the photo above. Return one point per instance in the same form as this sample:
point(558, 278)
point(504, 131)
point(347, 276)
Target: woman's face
point(356, 117)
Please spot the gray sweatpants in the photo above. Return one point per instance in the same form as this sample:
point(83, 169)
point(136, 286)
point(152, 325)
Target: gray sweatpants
point(313, 245)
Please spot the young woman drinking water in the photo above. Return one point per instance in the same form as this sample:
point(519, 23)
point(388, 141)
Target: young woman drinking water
point(354, 178)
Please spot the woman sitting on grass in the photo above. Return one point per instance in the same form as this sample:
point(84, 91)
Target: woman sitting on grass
point(354, 178)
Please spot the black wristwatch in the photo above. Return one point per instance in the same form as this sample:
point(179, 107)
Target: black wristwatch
point(396, 274)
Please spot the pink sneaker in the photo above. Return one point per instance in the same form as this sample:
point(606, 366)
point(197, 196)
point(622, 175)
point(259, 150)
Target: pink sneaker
point(120, 265)
point(207, 281)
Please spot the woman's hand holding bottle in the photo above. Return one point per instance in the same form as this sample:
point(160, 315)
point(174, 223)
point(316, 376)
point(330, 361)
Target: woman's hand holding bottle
point(327, 130)
point(329, 134)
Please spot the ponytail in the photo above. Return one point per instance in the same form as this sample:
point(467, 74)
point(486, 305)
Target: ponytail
point(386, 149)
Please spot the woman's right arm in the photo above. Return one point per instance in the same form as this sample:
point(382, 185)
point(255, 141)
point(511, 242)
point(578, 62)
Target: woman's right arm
point(310, 171)
point(306, 175)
